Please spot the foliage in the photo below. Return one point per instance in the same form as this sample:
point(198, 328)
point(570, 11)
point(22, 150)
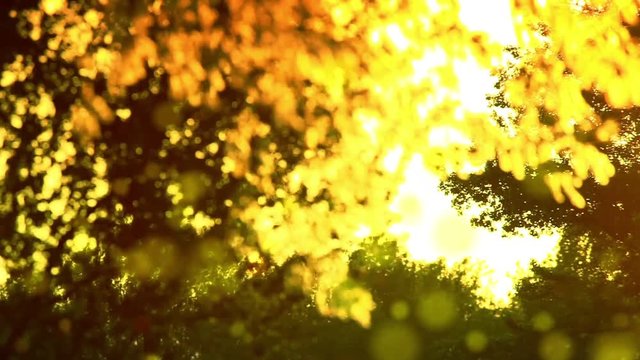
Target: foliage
point(167, 163)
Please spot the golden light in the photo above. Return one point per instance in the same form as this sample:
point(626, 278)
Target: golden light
point(431, 228)
point(4, 274)
point(493, 17)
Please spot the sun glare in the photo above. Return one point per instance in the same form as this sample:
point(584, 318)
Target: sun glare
point(492, 17)
point(433, 231)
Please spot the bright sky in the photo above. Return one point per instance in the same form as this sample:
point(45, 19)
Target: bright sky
point(493, 17)
point(432, 228)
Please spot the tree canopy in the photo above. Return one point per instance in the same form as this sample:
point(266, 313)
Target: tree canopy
point(203, 178)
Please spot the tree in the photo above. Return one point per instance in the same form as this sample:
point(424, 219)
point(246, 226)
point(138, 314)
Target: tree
point(598, 254)
point(165, 162)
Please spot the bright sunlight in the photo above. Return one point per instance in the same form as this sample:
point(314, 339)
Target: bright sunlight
point(433, 229)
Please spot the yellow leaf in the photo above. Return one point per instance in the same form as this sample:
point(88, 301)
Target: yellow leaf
point(8, 78)
point(51, 7)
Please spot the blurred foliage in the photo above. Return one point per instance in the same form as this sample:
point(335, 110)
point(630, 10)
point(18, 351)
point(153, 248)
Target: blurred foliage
point(205, 179)
point(585, 307)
